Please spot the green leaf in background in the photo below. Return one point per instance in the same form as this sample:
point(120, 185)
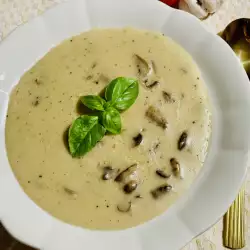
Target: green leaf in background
point(93, 102)
point(84, 133)
point(122, 92)
point(111, 120)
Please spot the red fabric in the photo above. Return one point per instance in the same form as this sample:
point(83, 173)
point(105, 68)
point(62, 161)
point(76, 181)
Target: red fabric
point(170, 2)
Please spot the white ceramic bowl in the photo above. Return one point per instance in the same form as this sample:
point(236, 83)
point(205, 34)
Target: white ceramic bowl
point(225, 168)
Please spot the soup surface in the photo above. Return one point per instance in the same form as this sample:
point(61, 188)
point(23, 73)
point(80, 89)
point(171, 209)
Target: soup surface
point(165, 134)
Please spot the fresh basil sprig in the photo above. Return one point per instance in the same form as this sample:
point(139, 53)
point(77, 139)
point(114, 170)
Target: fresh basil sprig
point(93, 102)
point(86, 130)
point(122, 93)
point(111, 120)
point(84, 133)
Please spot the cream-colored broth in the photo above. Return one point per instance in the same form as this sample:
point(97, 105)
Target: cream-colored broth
point(46, 101)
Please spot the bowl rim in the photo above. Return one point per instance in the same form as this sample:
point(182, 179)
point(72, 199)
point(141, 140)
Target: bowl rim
point(55, 28)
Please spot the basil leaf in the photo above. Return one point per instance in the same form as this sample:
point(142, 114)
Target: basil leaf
point(84, 133)
point(93, 102)
point(111, 120)
point(107, 105)
point(122, 92)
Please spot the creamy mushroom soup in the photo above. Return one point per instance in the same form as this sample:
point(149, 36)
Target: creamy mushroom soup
point(128, 178)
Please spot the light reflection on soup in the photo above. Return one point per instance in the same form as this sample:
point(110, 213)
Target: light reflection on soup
point(164, 138)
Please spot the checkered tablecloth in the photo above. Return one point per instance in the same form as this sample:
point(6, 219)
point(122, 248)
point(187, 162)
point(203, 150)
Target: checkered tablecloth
point(15, 12)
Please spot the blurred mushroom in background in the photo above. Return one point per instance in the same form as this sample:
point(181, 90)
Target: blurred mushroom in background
point(200, 8)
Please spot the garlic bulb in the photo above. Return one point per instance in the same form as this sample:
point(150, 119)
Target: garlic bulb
point(200, 8)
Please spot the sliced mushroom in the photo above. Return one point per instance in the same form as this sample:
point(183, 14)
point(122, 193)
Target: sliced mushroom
point(128, 174)
point(152, 84)
point(161, 190)
point(182, 142)
point(168, 97)
point(108, 173)
point(138, 139)
point(147, 72)
point(124, 207)
point(157, 117)
point(175, 166)
point(145, 69)
point(130, 187)
point(162, 174)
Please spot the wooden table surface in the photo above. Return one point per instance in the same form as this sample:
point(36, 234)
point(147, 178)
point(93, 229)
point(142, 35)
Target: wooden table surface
point(16, 12)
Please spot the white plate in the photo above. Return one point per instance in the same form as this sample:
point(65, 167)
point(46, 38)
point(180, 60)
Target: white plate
point(217, 184)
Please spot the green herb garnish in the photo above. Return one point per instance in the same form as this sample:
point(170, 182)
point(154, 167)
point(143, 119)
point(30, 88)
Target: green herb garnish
point(93, 102)
point(122, 93)
point(111, 120)
point(86, 130)
point(84, 133)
